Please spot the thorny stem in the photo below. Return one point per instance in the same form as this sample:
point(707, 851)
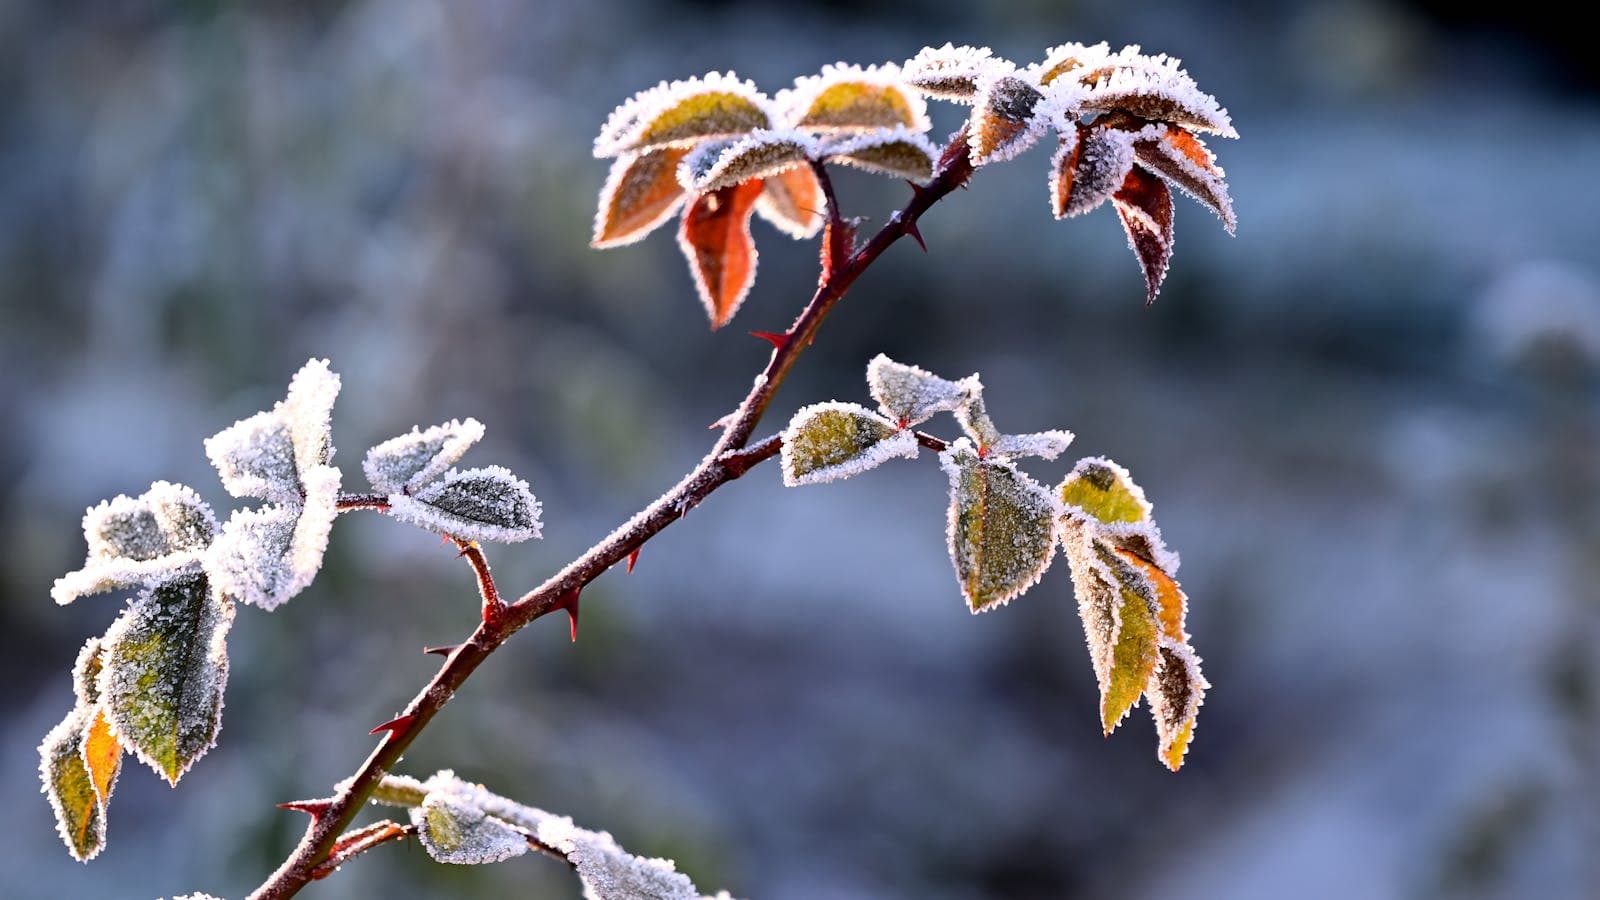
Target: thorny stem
point(727, 460)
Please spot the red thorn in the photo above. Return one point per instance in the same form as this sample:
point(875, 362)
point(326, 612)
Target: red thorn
point(916, 235)
point(633, 558)
point(917, 190)
point(774, 338)
point(316, 809)
point(396, 726)
point(441, 650)
point(444, 539)
point(569, 602)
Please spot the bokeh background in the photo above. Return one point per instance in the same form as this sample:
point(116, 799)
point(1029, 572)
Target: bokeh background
point(1369, 424)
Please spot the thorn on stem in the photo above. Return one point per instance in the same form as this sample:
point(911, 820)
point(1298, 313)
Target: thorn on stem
point(916, 235)
point(778, 341)
point(441, 650)
point(316, 809)
point(396, 726)
point(633, 558)
point(569, 602)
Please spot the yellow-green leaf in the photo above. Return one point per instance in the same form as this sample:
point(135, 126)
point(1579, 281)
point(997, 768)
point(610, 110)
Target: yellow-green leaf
point(851, 98)
point(70, 787)
point(1133, 652)
point(459, 833)
point(1105, 491)
point(1001, 527)
point(896, 152)
point(1170, 599)
point(829, 441)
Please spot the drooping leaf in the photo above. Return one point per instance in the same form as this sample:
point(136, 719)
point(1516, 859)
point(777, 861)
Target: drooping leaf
point(683, 113)
point(1005, 119)
point(404, 464)
point(1145, 206)
point(1043, 444)
point(1104, 491)
point(715, 239)
point(1180, 158)
point(715, 165)
point(641, 193)
point(1090, 165)
point(1177, 690)
point(70, 787)
point(1001, 527)
point(102, 756)
point(1132, 655)
point(166, 664)
point(1068, 58)
point(896, 152)
point(461, 834)
point(1172, 603)
point(851, 98)
point(486, 504)
point(255, 457)
point(266, 556)
point(952, 73)
point(910, 395)
point(139, 540)
point(792, 201)
point(86, 671)
point(830, 441)
point(1154, 88)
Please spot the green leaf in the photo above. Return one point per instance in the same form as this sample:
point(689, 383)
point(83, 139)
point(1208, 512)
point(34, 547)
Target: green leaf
point(1001, 527)
point(486, 504)
point(829, 441)
point(1104, 491)
point(457, 832)
point(70, 786)
point(139, 540)
point(911, 395)
point(165, 668)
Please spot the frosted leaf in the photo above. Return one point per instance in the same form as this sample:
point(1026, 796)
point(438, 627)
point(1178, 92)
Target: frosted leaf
point(86, 671)
point(715, 165)
point(830, 441)
point(1103, 491)
point(69, 786)
point(1172, 604)
point(609, 872)
point(1177, 689)
point(255, 457)
point(851, 98)
point(1067, 58)
point(973, 416)
point(487, 504)
point(1091, 164)
point(1144, 204)
point(268, 555)
point(682, 113)
point(1119, 621)
point(1005, 119)
point(952, 73)
point(397, 790)
point(1154, 88)
point(461, 834)
point(102, 756)
point(640, 193)
point(1180, 158)
point(166, 664)
point(715, 239)
point(896, 152)
point(792, 201)
point(1043, 444)
point(139, 540)
point(308, 410)
point(1001, 527)
point(402, 465)
point(910, 395)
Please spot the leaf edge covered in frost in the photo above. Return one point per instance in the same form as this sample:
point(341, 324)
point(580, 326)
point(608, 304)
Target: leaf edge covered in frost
point(627, 127)
point(896, 442)
point(419, 510)
point(799, 102)
point(890, 381)
point(989, 108)
point(855, 151)
point(952, 73)
point(479, 838)
point(454, 439)
point(63, 747)
point(1047, 445)
point(105, 567)
point(961, 451)
point(762, 153)
point(254, 457)
point(308, 412)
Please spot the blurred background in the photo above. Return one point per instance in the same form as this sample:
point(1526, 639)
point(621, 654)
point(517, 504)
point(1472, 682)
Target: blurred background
point(1368, 423)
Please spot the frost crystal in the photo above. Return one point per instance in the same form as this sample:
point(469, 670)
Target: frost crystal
point(682, 113)
point(1091, 164)
point(1066, 58)
point(830, 441)
point(487, 504)
point(715, 164)
point(897, 152)
point(952, 73)
point(86, 671)
point(1180, 158)
point(166, 664)
point(640, 194)
point(792, 201)
point(1001, 527)
point(1043, 444)
point(255, 457)
point(910, 395)
point(1005, 119)
point(1154, 88)
point(459, 833)
point(308, 410)
point(973, 416)
point(1104, 491)
point(69, 785)
point(609, 872)
point(402, 465)
point(851, 98)
point(1177, 690)
point(266, 556)
point(139, 540)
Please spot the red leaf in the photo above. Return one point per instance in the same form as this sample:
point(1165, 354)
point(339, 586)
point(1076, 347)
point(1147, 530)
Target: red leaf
point(1145, 206)
point(715, 238)
point(1180, 158)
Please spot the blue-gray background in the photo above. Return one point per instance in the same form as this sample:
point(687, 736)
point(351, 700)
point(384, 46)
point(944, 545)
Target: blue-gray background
point(1368, 424)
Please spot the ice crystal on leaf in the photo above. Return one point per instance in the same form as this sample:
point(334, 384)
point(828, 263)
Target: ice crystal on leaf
point(487, 504)
point(1145, 206)
point(851, 98)
point(952, 73)
point(830, 441)
point(165, 668)
point(1104, 491)
point(1001, 527)
point(268, 555)
point(792, 201)
point(1154, 88)
point(456, 832)
point(910, 395)
point(897, 152)
point(714, 165)
point(1067, 58)
point(715, 238)
point(78, 765)
point(86, 671)
point(139, 540)
point(1090, 165)
point(1005, 118)
point(1046, 445)
point(1177, 690)
point(683, 113)
point(1184, 162)
point(255, 457)
point(973, 416)
point(641, 193)
point(403, 464)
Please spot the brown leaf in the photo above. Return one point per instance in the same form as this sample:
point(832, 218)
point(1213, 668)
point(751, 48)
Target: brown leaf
point(1180, 158)
point(1003, 119)
point(792, 201)
point(1088, 168)
point(715, 238)
point(641, 192)
point(1145, 206)
point(1176, 691)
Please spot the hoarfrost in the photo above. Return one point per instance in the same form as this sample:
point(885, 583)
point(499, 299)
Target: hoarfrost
point(910, 395)
point(1177, 691)
point(640, 194)
point(973, 416)
point(487, 504)
point(1066, 58)
point(952, 73)
point(69, 786)
point(1001, 529)
point(461, 834)
point(1043, 444)
point(830, 441)
point(86, 671)
point(1154, 88)
point(1005, 119)
point(792, 201)
point(897, 152)
point(715, 164)
point(1144, 204)
point(851, 98)
point(684, 112)
point(402, 465)
point(266, 556)
point(166, 664)
point(1180, 158)
point(139, 540)
point(308, 411)
point(609, 872)
point(1091, 164)
point(255, 457)
point(1103, 491)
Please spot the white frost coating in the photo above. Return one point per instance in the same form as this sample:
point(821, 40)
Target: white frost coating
point(1080, 57)
point(990, 577)
point(910, 395)
point(308, 411)
point(867, 452)
point(952, 73)
point(1043, 444)
point(798, 103)
point(897, 152)
point(718, 164)
point(1204, 183)
point(1177, 690)
point(459, 833)
point(798, 217)
point(1011, 99)
point(1083, 466)
point(1101, 158)
point(139, 540)
point(266, 556)
point(255, 457)
point(487, 504)
point(63, 746)
point(402, 465)
point(196, 897)
point(1141, 84)
point(973, 415)
point(628, 123)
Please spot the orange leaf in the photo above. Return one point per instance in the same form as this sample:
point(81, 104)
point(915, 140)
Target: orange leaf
point(1180, 158)
point(641, 192)
point(1169, 596)
point(1088, 168)
point(715, 238)
point(1004, 121)
point(102, 756)
point(1145, 206)
point(792, 201)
